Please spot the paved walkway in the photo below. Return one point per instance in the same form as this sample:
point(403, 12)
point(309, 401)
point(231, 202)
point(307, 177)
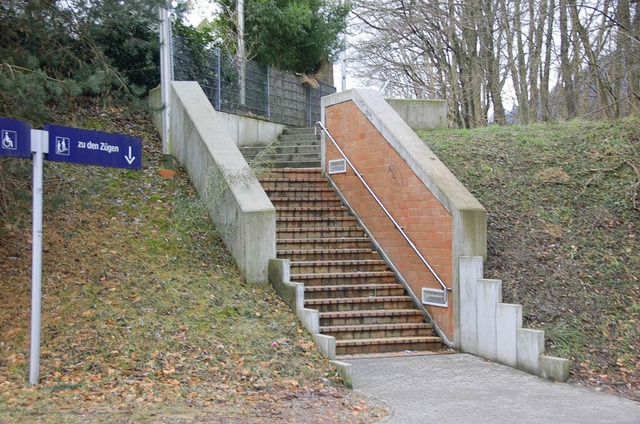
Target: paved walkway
point(461, 388)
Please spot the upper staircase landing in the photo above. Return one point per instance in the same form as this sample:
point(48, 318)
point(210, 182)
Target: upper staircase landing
point(294, 148)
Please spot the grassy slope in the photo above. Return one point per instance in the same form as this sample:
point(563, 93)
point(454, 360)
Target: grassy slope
point(145, 316)
point(563, 211)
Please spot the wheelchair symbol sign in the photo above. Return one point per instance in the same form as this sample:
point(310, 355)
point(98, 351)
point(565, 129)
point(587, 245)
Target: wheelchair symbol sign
point(9, 140)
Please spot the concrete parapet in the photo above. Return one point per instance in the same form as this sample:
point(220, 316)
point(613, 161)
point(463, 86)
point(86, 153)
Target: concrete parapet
point(345, 371)
point(489, 295)
point(237, 204)
point(421, 114)
point(470, 272)
point(243, 130)
point(508, 320)
point(326, 345)
point(279, 277)
point(554, 368)
point(530, 346)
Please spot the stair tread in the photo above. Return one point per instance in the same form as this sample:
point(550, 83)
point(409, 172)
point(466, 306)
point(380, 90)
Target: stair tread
point(373, 312)
point(343, 274)
point(370, 327)
point(310, 229)
point(324, 239)
point(387, 340)
point(340, 262)
point(352, 286)
point(364, 299)
point(348, 250)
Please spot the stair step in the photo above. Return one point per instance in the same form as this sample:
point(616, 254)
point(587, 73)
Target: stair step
point(345, 278)
point(377, 331)
point(273, 183)
point(387, 316)
point(302, 202)
point(296, 146)
point(328, 254)
point(384, 345)
point(299, 130)
point(359, 303)
point(316, 221)
point(323, 267)
point(312, 211)
point(354, 290)
point(301, 192)
point(318, 232)
point(324, 243)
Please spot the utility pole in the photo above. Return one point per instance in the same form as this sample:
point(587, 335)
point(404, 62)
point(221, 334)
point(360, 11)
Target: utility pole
point(165, 81)
point(241, 62)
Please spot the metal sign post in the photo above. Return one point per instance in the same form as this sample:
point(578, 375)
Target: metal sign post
point(61, 144)
point(39, 146)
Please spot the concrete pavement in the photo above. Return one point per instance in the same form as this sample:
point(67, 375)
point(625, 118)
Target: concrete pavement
point(461, 388)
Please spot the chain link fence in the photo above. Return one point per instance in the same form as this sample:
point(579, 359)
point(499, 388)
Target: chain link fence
point(267, 93)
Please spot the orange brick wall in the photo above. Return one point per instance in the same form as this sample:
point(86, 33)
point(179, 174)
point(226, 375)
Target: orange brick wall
point(409, 201)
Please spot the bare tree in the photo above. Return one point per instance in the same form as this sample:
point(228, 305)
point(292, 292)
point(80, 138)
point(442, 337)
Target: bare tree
point(478, 54)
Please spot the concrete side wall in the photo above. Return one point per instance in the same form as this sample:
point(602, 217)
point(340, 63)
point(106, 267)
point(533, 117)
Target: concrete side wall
point(247, 131)
point(243, 130)
point(239, 207)
point(421, 114)
point(437, 212)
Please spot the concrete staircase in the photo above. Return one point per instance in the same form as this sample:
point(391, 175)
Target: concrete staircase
point(294, 148)
point(359, 299)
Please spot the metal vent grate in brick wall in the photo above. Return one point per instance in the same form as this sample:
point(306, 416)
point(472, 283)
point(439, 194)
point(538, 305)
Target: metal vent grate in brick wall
point(434, 297)
point(338, 166)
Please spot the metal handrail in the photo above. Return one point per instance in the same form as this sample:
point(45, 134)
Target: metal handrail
point(395, 223)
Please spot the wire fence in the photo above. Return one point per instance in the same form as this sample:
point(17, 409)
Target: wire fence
point(267, 93)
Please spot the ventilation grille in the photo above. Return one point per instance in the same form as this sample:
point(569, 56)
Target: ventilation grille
point(434, 297)
point(338, 166)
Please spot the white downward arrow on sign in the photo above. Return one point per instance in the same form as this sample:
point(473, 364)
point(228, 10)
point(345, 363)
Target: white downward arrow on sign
point(130, 158)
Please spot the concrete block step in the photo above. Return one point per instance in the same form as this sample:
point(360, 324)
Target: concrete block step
point(379, 331)
point(355, 290)
point(345, 278)
point(312, 211)
point(324, 243)
point(385, 345)
point(296, 202)
point(319, 267)
point(316, 221)
point(328, 254)
point(359, 303)
point(318, 232)
point(301, 192)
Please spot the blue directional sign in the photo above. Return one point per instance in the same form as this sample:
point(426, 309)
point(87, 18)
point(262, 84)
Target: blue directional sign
point(15, 138)
point(90, 147)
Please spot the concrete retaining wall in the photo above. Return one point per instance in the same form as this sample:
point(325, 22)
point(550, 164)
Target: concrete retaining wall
point(238, 206)
point(493, 330)
point(421, 114)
